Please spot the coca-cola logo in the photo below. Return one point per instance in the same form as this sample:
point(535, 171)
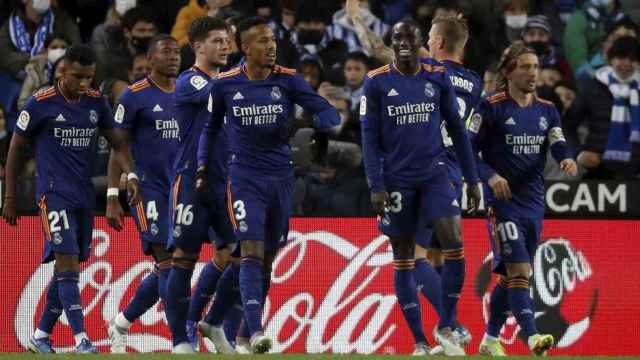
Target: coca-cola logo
point(565, 300)
point(349, 310)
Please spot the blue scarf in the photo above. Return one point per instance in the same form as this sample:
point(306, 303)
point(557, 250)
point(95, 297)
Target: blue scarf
point(625, 114)
point(20, 36)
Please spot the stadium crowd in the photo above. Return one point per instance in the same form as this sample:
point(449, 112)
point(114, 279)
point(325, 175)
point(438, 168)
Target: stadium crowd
point(586, 49)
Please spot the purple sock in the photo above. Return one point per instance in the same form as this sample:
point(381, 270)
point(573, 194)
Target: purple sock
point(177, 302)
point(69, 294)
point(251, 290)
point(163, 279)
point(226, 295)
point(243, 330)
point(232, 321)
point(520, 303)
point(429, 281)
point(499, 307)
point(452, 281)
point(52, 308)
point(146, 296)
point(205, 288)
point(407, 294)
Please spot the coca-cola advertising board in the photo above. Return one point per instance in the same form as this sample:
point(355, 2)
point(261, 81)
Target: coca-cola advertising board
point(332, 288)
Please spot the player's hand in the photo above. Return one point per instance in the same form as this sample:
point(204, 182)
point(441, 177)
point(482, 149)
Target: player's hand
point(569, 167)
point(114, 213)
point(133, 192)
point(474, 196)
point(500, 187)
point(379, 201)
point(589, 159)
point(201, 182)
point(9, 211)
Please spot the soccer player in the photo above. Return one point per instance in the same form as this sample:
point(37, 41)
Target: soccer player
point(190, 223)
point(257, 99)
point(62, 122)
point(513, 129)
point(447, 39)
point(401, 114)
point(145, 112)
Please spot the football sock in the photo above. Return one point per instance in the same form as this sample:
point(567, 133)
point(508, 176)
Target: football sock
point(251, 290)
point(177, 301)
point(226, 295)
point(453, 272)
point(145, 297)
point(498, 308)
point(429, 282)
point(520, 303)
point(52, 310)
point(406, 292)
point(205, 289)
point(69, 294)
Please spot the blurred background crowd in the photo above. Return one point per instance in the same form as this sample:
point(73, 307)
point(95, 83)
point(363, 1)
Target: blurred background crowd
point(582, 45)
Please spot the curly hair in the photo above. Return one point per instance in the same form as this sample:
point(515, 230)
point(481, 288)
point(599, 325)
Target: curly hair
point(509, 61)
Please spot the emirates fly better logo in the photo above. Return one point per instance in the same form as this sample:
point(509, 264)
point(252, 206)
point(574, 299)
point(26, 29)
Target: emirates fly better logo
point(565, 299)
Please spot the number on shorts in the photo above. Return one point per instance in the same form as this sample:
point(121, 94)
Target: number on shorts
point(54, 219)
point(395, 202)
point(152, 211)
point(239, 210)
point(184, 215)
point(508, 231)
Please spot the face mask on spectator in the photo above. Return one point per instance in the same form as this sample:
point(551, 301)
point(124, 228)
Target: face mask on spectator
point(310, 37)
point(41, 6)
point(140, 43)
point(516, 21)
point(540, 47)
point(54, 54)
point(122, 6)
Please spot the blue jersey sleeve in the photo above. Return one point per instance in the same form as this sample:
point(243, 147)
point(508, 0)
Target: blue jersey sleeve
point(478, 127)
point(105, 116)
point(31, 119)
point(325, 116)
point(194, 89)
point(555, 136)
point(370, 127)
point(217, 108)
point(451, 114)
point(126, 111)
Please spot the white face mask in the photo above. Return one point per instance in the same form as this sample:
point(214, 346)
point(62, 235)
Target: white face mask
point(516, 21)
point(54, 54)
point(41, 6)
point(122, 6)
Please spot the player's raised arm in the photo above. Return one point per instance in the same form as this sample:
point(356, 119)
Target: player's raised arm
point(325, 116)
point(559, 149)
point(371, 140)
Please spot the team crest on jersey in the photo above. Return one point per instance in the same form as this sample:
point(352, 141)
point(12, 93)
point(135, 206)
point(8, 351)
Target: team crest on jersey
point(275, 93)
point(23, 120)
point(475, 123)
point(198, 82)
point(93, 116)
point(154, 229)
point(543, 125)
point(177, 231)
point(429, 91)
point(363, 105)
point(57, 238)
point(119, 117)
point(242, 226)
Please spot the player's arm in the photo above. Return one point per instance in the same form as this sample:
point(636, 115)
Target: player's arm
point(325, 116)
point(371, 139)
point(28, 124)
point(559, 149)
point(451, 113)
point(212, 126)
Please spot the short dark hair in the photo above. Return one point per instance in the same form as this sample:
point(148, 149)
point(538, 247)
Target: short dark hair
point(245, 25)
point(54, 36)
point(137, 14)
point(156, 39)
point(199, 29)
point(625, 47)
point(360, 57)
point(82, 54)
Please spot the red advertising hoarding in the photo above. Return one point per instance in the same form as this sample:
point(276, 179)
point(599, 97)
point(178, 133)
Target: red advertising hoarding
point(332, 288)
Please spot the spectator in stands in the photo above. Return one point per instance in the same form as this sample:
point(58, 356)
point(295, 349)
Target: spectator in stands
point(311, 70)
point(537, 35)
point(111, 89)
point(284, 27)
point(195, 10)
point(343, 28)
point(112, 22)
point(549, 76)
point(566, 91)
point(355, 69)
point(139, 25)
point(310, 29)
point(624, 27)
point(489, 80)
point(604, 105)
point(23, 35)
point(39, 72)
point(585, 32)
point(513, 18)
